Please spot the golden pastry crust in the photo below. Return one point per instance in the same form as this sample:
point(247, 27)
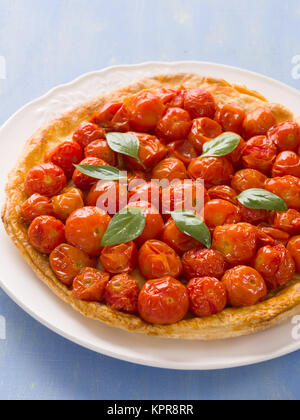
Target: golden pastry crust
point(278, 307)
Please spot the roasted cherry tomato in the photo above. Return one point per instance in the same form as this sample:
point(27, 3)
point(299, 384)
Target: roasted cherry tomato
point(260, 154)
point(176, 239)
point(237, 243)
point(120, 259)
point(101, 150)
point(175, 99)
point(200, 262)
point(67, 262)
point(46, 179)
point(145, 110)
point(286, 187)
point(90, 285)
point(253, 216)
point(288, 221)
point(110, 196)
point(154, 222)
point(286, 163)
point(286, 136)
point(175, 125)
point(36, 206)
point(46, 233)
point(244, 286)
point(203, 130)
point(65, 156)
point(166, 95)
point(157, 259)
point(87, 133)
point(151, 152)
point(149, 191)
point(221, 212)
point(258, 123)
point(85, 182)
point(223, 192)
point(247, 179)
point(85, 229)
point(294, 250)
point(169, 169)
point(135, 178)
point(235, 157)
point(230, 117)
point(199, 103)
point(64, 204)
point(112, 117)
point(213, 170)
point(275, 264)
point(268, 235)
point(121, 293)
point(207, 296)
point(163, 301)
point(182, 150)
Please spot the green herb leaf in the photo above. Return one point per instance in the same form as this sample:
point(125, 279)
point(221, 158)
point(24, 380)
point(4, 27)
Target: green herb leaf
point(125, 226)
point(221, 146)
point(256, 198)
point(101, 172)
point(125, 143)
point(192, 225)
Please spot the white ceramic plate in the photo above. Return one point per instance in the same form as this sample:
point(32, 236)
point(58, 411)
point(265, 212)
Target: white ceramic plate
point(27, 291)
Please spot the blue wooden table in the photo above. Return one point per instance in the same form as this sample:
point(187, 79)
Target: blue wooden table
point(49, 42)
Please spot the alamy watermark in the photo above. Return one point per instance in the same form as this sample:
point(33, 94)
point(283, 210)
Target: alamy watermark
point(296, 328)
point(296, 67)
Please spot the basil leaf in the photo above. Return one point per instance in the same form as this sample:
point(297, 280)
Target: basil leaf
point(192, 225)
point(101, 172)
point(256, 198)
point(125, 143)
point(125, 226)
point(221, 146)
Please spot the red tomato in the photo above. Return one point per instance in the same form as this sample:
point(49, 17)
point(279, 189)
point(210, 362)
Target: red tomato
point(275, 264)
point(203, 263)
point(151, 152)
point(260, 154)
point(145, 110)
point(85, 182)
point(287, 163)
point(230, 117)
point(199, 103)
point(101, 150)
point(90, 285)
point(36, 206)
point(288, 221)
point(203, 130)
point(46, 233)
point(121, 293)
point(213, 170)
point(65, 156)
point(157, 259)
point(237, 243)
point(244, 285)
point(169, 169)
point(235, 157)
point(87, 133)
point(175, 125)
point(223, 192)
point(64, 204)
point(207, 296)
point(294, 250)
point(253, 216)
point(154, 222)
point(247, 179)
point(286, 187)
point(258, 123)
point(163, 301)
point(119, 259)
point(286, 136)
point(268, 235)
point(112, 117)
point(46, 179)
point(110, 196)
point(176, 239)
point(221, 212)
point(67, 262)
point(182, 150)
point(85, 229)
point(167, 95)
point(149, 191)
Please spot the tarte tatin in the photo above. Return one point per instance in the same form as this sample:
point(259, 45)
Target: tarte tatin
point(227, 270)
